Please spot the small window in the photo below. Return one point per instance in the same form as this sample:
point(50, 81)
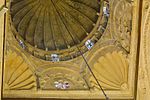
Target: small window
point(22, 44)
point(89, 44)
point(54, 57)
point(61, 85)
point(106, 11)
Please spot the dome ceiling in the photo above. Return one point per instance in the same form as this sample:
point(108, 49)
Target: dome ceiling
point(55, 25)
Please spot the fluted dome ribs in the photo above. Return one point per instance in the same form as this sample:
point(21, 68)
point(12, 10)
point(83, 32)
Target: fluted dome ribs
point(51, 24)
point(56, 26)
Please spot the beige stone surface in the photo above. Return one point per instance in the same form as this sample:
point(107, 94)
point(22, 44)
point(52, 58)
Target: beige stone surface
point(109, 57)
point(144, 62)
point(1, 44)
point(143, 88)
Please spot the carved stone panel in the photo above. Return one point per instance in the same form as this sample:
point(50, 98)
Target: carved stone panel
point(50, 44)
point(144, 66)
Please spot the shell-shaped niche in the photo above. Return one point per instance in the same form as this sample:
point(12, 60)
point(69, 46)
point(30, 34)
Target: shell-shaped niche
point(111, 71)
point(18, 76)
point(50, 79)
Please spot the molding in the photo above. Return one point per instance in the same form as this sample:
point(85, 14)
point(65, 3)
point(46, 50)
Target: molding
point(1, 46)
point(143, 89)
point(112, 45)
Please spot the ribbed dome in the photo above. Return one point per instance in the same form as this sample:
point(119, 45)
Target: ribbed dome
point(56, 26)
point(51, 24)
